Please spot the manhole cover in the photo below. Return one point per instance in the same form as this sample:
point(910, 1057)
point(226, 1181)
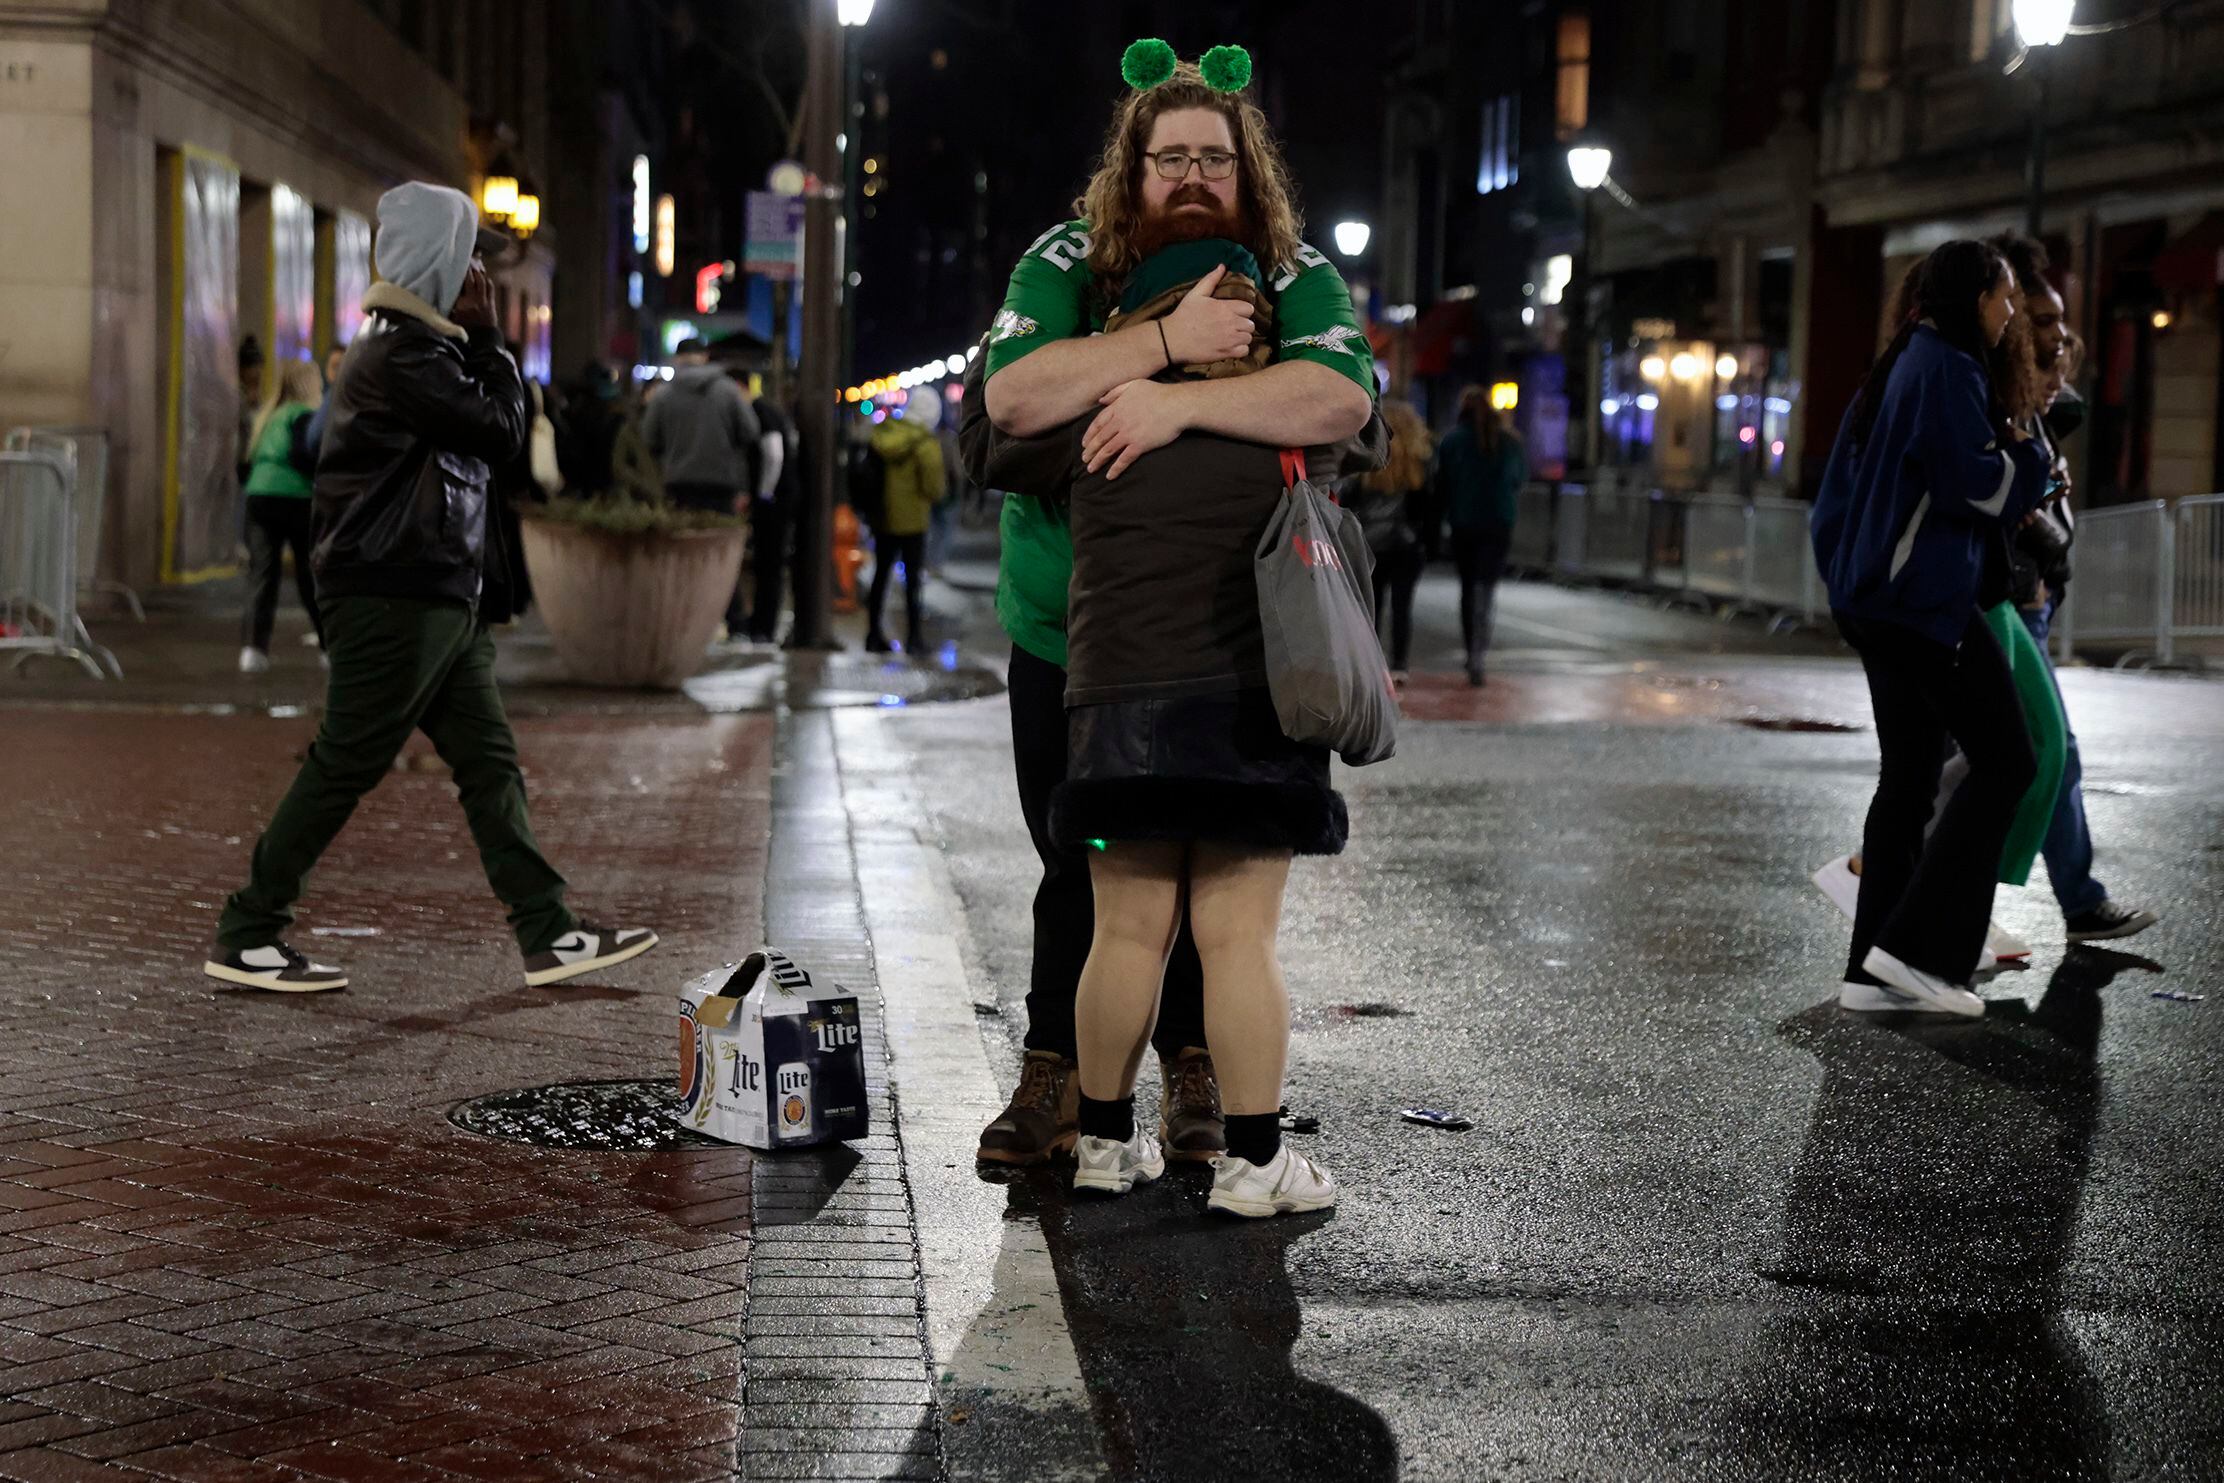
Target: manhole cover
point(623, 1116)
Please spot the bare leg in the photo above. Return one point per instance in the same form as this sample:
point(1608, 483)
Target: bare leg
point(1235, 910)
point(1138, 907)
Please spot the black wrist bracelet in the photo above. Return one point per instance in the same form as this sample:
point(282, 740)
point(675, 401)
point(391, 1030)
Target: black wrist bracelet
point(1163, 345)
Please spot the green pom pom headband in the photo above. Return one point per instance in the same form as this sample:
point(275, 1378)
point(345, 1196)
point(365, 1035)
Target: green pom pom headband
point(1147, 63)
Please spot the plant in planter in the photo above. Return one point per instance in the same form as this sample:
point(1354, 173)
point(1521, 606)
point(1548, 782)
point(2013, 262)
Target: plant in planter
point(631, 590)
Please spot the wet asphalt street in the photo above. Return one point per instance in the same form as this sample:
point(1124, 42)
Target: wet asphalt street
point(1706, 1225)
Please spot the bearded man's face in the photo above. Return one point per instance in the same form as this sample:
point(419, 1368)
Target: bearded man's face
point(1192, 207)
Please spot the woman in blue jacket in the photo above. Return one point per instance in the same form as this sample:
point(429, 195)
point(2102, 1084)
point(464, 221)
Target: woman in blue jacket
point(1924, 483)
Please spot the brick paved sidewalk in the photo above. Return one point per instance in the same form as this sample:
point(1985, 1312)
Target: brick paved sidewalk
point(238, 1237)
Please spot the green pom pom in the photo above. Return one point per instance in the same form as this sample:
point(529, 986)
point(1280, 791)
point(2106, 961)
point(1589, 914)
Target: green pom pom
point(1227, 69)
point(1147, 63)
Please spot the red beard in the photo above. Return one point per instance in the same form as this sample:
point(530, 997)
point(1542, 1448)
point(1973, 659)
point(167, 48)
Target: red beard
point(1169, 225)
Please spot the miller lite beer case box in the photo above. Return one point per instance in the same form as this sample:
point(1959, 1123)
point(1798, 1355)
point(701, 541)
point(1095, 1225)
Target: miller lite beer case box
point(769, 1061)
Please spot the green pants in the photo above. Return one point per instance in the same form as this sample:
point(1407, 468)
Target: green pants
point(400, 665)
point(2042, 713)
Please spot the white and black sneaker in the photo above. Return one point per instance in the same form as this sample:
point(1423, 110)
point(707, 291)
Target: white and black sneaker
point(585, 949)
point(2108, 921)
point(276, 967)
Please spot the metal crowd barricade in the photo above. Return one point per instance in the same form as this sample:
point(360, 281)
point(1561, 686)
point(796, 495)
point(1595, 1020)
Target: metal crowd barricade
point(1531, 548)
point(2148, 575)
point(1569, 512)
point(1618, 534)
point(2122, 588)
point(1718, 547)
point(38, 565)
point(2197, 585)
point(84, 451)
point(1782, 561)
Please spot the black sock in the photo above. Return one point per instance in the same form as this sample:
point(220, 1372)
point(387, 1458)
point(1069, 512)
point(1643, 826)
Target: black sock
point(1256, 1136)
point(1114, 1120)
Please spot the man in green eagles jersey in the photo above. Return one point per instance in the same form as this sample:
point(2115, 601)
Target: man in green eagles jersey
point(1185, 162)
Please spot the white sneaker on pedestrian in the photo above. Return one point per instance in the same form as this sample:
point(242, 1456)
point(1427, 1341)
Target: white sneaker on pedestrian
point(253, 661)
point(275, 967)
point(1876, 999)
point(1111, 1167)
point(1287, 1184)
point(1937, 996)
point(583, 950)
point(2004, 945)
point(1838, 882)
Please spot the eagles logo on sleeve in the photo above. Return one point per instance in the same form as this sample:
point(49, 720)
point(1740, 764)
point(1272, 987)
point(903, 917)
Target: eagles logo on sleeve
point(1337, 338)
point(1011, 324)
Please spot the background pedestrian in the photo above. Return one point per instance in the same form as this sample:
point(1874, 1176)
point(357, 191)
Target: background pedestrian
point(1480, 468)
point(281, 467)
point(1387, 501)
point(703, 434)
point(1925, 477)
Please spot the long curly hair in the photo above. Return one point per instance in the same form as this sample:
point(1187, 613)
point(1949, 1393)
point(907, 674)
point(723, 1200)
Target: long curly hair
point(1113, 202)
point(1410, 445)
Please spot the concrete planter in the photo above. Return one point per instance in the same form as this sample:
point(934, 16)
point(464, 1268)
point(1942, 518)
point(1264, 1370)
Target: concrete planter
point(631, 610)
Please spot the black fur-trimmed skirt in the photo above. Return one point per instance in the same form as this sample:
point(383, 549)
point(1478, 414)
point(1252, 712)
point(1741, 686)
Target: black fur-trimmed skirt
point(1195, 768)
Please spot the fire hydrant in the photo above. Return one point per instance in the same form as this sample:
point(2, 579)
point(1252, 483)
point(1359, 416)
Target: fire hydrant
point(849, 558)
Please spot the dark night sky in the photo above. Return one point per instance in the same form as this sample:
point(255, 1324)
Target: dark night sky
point(995, 112)
point(1024, 97)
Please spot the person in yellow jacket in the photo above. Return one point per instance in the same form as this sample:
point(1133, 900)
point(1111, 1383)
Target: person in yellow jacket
point(913, 482)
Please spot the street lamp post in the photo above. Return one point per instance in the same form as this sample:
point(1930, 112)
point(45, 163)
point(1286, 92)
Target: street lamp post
point(2040, 26)
point(1588, 167)
point(854, 16)
point(822, 331)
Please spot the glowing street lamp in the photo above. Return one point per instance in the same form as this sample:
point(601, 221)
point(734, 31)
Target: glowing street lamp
point(1352, 237)
point(1588, 164)
point(498, 197)
point(2043, 22)
point(855, 12)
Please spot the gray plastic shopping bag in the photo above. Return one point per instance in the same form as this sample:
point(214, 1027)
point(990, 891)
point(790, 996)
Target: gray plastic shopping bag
point(1317, 606)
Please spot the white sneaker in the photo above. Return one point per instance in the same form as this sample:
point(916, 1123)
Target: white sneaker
point(2003, 944)
point(1876, 999)
point(253, 661)
point(1288, 1184)
point(1837, 881)
point(1937, 996)
point(1111, 1167)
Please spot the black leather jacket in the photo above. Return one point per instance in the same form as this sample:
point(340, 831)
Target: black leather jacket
point(420, 412)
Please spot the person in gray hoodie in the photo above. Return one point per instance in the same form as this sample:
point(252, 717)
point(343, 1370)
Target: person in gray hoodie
point(704, 434)
point(409, 576)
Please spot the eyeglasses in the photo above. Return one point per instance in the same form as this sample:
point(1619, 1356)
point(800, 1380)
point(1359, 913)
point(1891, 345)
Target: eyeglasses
point(1173, 164)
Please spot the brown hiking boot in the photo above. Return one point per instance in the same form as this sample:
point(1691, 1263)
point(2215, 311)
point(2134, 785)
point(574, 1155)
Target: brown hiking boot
point(1043, 1118)
point(1189, 1121)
